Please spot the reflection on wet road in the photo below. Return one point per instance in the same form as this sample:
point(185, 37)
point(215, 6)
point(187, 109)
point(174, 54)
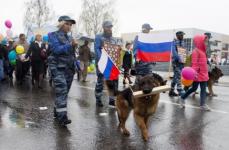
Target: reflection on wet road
point(26, 122)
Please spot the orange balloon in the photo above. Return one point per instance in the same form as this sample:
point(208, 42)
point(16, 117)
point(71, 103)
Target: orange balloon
point(1, 37)
point(186, 82)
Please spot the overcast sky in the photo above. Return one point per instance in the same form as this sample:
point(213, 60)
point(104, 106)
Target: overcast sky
point(210, 15)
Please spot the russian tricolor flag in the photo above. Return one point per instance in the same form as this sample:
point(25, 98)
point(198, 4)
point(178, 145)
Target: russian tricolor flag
point(154, 47)
point(107, 67)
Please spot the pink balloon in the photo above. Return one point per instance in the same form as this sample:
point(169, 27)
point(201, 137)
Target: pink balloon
point(8, 24)
point(188, 73)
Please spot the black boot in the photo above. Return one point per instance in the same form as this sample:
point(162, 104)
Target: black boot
point(112, 104)
point(50, 82)
point(172, 94)
point(99, 103)
point(64, 121)
point(54, 113)
point(33, 83)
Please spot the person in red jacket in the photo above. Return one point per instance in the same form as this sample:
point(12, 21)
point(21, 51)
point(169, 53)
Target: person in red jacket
point(199, 64)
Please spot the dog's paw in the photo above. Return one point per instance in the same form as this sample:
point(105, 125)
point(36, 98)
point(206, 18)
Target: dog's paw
point(214, 95)
point(126, 132)
point(119, 126)
point(145, 138)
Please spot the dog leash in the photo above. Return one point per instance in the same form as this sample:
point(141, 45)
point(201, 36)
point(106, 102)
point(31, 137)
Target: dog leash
point(130, 88)
point(128, 85)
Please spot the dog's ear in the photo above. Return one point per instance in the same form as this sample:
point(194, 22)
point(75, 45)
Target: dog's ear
point(164, 82)
point(219, 71)
point(136, 87)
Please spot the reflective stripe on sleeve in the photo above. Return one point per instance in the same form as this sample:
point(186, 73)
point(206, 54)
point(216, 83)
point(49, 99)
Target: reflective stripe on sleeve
point(61, 109)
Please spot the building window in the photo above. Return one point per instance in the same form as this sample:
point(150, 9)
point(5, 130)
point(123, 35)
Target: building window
point(225, 46)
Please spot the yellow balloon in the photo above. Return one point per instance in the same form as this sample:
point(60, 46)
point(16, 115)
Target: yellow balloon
point(92, 67)
point(20, 49)
point(88, 69)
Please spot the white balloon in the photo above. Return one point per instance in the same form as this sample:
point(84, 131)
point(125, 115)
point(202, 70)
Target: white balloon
point(9, 33)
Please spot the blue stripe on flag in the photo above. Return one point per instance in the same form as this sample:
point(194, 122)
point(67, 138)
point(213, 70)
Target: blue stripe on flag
point(155, 47)
point(107, 71)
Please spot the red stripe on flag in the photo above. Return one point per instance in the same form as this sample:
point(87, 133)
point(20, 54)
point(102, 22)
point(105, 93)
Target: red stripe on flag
point(114, 73)
point(153, 56)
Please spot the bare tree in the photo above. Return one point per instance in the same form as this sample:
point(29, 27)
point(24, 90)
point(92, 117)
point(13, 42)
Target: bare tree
point(94, 12)
point(38, 13)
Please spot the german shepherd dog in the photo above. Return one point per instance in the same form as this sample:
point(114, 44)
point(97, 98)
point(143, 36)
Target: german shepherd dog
point(143, 107)
point(214, 76)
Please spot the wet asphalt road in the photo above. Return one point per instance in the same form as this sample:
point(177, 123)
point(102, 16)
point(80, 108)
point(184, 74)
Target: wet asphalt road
point(24, 126)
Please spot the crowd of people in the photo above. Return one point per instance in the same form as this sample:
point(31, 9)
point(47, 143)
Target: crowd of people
point(32, 57)
point(57, 55)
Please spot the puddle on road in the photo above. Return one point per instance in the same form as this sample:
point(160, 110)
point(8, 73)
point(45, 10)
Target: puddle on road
point(10, 118)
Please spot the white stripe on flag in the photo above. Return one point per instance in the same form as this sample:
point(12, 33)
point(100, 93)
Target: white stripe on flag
point(103, 61)
point(155, 37)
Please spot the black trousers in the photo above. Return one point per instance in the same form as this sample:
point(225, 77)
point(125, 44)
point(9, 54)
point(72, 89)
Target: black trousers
point(22, 69)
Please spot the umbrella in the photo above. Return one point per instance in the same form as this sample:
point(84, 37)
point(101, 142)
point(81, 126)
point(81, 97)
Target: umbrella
point(44, 30)
point(85, 38)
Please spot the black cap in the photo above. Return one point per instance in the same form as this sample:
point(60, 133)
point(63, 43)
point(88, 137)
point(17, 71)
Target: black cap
point(209, 35)
point(180, 33)
point(66, 18)
point(146, 26)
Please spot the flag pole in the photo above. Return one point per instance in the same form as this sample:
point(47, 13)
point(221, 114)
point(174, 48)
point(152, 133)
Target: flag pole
point(170, 62)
